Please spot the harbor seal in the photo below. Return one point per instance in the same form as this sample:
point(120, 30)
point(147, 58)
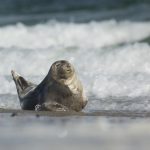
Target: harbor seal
point(61, 90)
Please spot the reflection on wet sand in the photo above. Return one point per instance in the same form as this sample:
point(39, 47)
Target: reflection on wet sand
point(75, 131)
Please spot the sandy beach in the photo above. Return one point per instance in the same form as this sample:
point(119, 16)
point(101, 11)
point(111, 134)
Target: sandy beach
point(21, 130)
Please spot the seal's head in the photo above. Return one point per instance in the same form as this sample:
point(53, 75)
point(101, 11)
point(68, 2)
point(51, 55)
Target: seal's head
point(62, 70)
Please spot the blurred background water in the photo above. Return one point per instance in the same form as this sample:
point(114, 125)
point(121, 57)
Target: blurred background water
point(108, 43)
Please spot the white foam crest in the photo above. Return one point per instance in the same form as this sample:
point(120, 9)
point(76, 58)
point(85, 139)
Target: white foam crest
point(84, 35)
point(123, 71)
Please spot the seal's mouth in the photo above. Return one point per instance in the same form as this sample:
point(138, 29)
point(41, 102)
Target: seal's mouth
point(64, 70)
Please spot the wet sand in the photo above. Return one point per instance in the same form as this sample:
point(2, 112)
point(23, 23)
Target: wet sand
point(105, 113)
point(111, 130)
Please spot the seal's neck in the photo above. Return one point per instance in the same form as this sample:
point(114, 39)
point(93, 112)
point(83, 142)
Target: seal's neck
point(67, 81)
point(74, 84)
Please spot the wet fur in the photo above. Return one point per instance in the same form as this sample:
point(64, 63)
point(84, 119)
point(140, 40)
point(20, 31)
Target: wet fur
point(57, 91)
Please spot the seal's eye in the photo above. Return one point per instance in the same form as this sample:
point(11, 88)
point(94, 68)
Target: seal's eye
point(57, 65)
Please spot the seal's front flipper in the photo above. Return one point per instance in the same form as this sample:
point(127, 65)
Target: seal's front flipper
point(38, 107)
point(51, 106)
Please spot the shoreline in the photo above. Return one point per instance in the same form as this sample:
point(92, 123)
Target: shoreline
point(105, 113)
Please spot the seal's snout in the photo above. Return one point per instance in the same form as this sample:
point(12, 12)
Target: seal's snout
point(66, 67)
point(63, 66)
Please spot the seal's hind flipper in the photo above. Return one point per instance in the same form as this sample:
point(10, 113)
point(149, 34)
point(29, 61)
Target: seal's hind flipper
point(21, 83)
point(25, 90)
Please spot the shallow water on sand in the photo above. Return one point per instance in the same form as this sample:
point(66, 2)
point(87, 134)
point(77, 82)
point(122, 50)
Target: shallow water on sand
point(30, 132)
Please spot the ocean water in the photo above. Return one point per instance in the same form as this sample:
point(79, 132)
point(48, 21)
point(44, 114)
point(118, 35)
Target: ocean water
point(111, 59)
